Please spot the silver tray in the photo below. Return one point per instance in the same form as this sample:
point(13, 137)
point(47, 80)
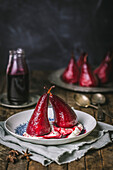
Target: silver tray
point(33, 99)
point(55, 78)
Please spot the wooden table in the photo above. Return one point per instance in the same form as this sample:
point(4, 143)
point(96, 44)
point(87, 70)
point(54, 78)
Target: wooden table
point(96, 159)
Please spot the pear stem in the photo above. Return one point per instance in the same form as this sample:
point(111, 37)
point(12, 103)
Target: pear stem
point(110, 56)
point(85, 57)
point(72, 54)
point(50, 90)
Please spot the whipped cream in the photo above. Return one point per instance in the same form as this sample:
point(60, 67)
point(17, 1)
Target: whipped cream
point(77, 131)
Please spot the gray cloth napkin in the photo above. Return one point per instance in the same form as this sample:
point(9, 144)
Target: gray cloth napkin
point(100, 136)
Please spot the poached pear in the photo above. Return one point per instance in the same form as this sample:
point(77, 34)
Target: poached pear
point(64, 116)
point(71, 73)
point(104, 70)
point(39, 124)
point(87, 77)
point(80, 60)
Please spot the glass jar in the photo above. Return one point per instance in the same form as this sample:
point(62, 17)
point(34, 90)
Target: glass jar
point(17, 77)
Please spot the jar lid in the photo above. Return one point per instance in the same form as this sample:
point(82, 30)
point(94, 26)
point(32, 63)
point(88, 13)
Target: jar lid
point(11, 52)
point(20, 51)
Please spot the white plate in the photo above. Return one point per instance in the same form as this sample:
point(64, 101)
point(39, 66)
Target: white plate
point(14, 121)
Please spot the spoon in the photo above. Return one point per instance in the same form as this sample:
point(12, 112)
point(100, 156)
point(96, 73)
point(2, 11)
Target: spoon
point(100, 114)
point(99, 99)
point(83, 101)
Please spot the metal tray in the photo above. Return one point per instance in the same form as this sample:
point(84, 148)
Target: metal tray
point(33, 99)
point(55, 78)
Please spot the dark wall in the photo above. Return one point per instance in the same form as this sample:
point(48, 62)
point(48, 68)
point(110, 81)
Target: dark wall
point(48, 30)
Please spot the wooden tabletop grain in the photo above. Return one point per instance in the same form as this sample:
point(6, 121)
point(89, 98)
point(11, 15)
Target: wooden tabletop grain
point(95, 159)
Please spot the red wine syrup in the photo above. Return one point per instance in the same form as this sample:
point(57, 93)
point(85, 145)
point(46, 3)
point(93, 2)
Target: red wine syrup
point(17, 78)
point(18, 88)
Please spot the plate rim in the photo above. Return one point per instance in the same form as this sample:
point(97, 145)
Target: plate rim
point(54, 78)
point(19, 106)
point(76, 138)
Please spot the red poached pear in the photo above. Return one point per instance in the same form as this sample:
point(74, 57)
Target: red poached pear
point(104, 70)
point(87, 77)
point(39, 123)
point(71, 73)
point(81, 60)
point(64, 116)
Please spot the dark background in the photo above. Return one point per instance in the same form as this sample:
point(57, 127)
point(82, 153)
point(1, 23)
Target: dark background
point(49, 30)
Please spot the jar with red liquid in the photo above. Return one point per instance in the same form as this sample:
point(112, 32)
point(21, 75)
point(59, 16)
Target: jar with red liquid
point(17, 77)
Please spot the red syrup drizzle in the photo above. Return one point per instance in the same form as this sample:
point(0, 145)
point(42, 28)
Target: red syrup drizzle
point(59, 132)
